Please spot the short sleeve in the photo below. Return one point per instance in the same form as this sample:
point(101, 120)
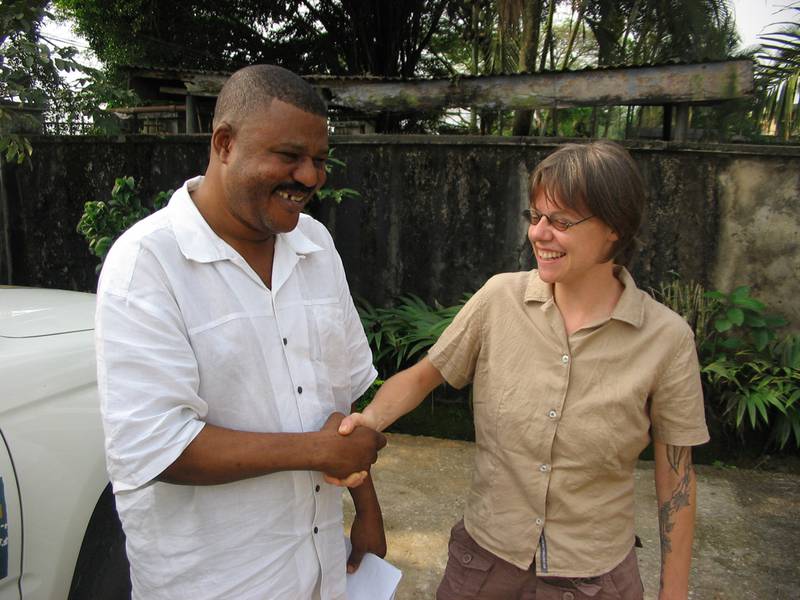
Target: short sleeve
point(147, 376)
point(677, 411)
point(455, 353)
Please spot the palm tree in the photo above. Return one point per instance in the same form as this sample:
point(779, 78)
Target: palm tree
point(779, 75)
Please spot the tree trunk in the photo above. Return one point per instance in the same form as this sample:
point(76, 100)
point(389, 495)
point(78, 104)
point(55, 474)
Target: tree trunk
point(529, 48)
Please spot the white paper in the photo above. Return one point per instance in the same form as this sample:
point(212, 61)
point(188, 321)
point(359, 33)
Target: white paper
point(375, 579)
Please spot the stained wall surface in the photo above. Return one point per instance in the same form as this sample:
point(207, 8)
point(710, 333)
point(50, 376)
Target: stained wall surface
point(438, 215)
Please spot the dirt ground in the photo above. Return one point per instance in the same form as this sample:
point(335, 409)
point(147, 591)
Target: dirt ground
point(748, 522)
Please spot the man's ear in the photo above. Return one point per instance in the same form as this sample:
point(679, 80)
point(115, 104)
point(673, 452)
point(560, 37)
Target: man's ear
point(222, 141)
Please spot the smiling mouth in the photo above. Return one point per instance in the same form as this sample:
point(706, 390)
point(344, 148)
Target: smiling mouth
point(296, 197)
point(549, 254)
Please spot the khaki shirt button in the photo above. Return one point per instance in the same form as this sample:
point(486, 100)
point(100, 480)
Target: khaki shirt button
point(565, 359)
point(539, 522)
point(467, 558)
point(552, 414)
point(568, 596)
point(544, 468)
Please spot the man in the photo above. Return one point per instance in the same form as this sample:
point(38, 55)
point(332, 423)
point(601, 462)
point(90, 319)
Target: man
point(228, 348)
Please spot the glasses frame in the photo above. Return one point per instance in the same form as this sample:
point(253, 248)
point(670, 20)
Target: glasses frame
point(557, 224)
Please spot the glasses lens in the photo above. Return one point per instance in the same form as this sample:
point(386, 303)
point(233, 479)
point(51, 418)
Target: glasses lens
point(560, 224)
point(531, 217)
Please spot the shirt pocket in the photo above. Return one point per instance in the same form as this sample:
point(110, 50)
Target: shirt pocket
point(328, 345)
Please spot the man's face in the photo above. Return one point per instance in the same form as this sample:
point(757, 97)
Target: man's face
point(274, 163)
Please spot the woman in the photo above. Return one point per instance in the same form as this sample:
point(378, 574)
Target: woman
point(574, 370)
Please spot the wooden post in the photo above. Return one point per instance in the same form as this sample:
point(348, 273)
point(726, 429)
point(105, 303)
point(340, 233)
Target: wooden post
point(666, 131)
point(191, 114)
point(682, 122)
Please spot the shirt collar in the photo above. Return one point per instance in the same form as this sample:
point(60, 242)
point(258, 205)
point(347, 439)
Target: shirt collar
point(629, 308)
point(199, 243)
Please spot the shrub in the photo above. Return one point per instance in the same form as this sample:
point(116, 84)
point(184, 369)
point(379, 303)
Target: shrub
point(103, 222)
point(751, 379)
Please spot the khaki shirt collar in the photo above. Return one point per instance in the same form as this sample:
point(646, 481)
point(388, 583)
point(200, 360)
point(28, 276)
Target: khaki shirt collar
point(629, 308)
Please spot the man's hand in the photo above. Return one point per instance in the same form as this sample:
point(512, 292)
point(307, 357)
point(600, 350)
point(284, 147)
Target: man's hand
point(350, 457)
point(345, 426)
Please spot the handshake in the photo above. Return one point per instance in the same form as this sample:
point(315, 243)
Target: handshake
point(353, 445)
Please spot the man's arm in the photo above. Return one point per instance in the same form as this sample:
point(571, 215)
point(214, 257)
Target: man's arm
point(367, 533)
point(218, 455)
point(676, 487)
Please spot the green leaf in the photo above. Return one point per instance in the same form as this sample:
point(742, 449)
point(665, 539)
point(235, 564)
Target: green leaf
point(749, 303)
point(715, 295)
point(735, 316)
point(722, 325)
point(761, 338)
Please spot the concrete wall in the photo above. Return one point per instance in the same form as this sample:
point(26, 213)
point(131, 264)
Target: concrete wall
point(438, 215)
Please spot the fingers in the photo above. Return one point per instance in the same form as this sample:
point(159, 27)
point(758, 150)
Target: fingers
point(349, 423)
point(381, 441)
point(355, 560)
point(353, 480)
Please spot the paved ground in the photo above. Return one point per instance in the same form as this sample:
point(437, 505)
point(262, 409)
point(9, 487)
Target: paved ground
point(746, 545)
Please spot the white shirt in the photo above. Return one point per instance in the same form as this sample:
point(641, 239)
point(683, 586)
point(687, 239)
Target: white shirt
point(188, 334)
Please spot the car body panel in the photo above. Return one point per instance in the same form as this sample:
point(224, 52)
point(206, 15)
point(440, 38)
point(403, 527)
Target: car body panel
point(11, 533)
point(50, 419)
point(30, 312)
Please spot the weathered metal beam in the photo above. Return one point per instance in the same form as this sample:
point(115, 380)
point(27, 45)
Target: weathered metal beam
point(663, 84)
point(706, 82)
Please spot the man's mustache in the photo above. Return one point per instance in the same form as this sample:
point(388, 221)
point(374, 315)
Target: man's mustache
point(294, 188)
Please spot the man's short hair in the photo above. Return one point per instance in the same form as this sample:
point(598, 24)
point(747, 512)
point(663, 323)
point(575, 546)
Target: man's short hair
point(254, 87)
point(600, 177)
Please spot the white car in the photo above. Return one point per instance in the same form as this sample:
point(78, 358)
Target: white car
point(60, 537)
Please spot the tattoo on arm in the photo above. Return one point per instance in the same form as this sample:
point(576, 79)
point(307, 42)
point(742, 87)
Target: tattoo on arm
point(680, 461)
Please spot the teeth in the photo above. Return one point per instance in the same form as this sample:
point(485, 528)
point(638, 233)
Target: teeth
point(546, 254)
point(298, 198)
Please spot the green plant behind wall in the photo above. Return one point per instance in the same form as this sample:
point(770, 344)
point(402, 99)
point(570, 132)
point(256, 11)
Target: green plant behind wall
point(103, 222)
point(751, 379)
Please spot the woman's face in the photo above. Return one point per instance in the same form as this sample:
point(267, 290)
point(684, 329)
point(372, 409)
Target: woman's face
point(568, 256)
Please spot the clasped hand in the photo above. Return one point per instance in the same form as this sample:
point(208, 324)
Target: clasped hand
point(356, 448)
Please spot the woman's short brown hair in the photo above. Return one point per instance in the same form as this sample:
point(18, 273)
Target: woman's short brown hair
point(600, 177)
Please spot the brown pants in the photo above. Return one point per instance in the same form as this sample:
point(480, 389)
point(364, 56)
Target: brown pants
point(475, 573)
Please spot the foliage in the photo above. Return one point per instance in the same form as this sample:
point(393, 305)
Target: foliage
point(31, 81)
point(336, 194)
point(29, 73)
point(751, 378)
point(103, 222)
point(778, 77)
point(400, 334)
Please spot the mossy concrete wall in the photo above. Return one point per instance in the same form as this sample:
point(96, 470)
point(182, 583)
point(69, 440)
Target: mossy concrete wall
point(438, 215)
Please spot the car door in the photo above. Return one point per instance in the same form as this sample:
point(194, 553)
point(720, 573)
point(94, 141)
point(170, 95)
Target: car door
point(10, 527)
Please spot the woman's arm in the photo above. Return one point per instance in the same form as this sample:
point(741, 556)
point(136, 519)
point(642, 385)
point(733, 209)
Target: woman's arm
point(676, 489)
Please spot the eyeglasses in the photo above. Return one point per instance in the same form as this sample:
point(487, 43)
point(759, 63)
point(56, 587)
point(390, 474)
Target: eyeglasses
point(533, 217)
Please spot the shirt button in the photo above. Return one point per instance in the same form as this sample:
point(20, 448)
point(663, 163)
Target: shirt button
point(544, 468)
point(467, 558)
point(552, 414)
point(299, 389)
point(539, 522)
point(568, 596)
point(315, 530)
point(316, 489)
point(565, 359)
point(285, 341)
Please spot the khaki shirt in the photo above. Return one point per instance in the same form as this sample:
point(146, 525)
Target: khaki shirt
point(561, 420)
